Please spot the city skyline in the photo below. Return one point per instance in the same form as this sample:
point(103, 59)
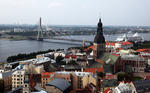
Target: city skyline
point(76, 12)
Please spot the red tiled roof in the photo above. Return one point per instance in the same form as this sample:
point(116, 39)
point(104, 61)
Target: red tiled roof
point(110, 77)
point(46, 74)
point(70, 56)
point(143, 50)
point(109, 90)
point(115, 54)
point(119, 48)
point(90, 47)
point(110, 43)
point(94, 70)
point(125, 43)
point(100, 61)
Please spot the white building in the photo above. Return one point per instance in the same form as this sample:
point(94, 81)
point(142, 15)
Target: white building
point(124, 88)
point(18, 78)
point(116, 45)
point(34, 69)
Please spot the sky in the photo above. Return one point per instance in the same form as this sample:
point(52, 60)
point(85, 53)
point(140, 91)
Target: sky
point(76, 12)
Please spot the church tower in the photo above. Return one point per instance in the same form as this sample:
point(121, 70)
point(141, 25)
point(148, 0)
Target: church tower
point(99, 41)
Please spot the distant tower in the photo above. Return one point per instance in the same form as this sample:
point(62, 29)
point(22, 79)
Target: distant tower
point(99, 41)
point(83, 44)
point(40, 33)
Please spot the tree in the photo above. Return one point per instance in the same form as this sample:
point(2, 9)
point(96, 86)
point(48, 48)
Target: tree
point(120, 76)
point(1, 85)
point(124, 77)
point(72, 62)
point(59, 59)
point(101, 74)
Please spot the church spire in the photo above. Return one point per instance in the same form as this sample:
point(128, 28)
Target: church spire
point(99, 38)
point(99, 41)
point(100, 27)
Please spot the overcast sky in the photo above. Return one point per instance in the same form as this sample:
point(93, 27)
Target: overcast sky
point(75, 12)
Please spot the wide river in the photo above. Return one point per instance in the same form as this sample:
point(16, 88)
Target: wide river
point(9, 47)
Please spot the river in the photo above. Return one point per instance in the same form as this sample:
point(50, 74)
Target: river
point(9, 47)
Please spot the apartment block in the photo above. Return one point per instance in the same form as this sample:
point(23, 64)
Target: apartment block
point(18, 78)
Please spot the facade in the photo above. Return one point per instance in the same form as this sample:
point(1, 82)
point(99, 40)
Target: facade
point(34, 69)
point(124, 45)
point(78, 80)
point(6, 77)
point(99, 41)
point(68, 58)
point(26, 86)
point(38, 62)
point(133, 63)
point(117, 45)
point(18, 78)
point(46, 77)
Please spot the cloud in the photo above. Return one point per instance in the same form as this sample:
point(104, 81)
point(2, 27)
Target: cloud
point(55, 4)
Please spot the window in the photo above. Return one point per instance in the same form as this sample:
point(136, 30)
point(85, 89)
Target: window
point(25, 85)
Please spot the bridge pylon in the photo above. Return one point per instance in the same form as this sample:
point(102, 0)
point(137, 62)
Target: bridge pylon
point(40, 33)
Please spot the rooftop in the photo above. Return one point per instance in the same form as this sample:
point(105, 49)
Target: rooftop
point(5, 74)
point(132, 57)
point(19, 72)
point(60, 84)
point(109, 83)
point(76, 73)
point(124, 87)
point(141, 85)
point(37, 60)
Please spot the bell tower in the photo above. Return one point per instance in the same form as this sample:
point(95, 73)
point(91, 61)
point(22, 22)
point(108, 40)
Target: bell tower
point(99, 41)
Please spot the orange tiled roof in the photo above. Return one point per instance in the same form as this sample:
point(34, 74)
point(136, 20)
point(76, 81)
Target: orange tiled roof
point(110, 77)
point(110, 43)
point(90, 47)
point(115, 54)
point(100, 61)
point(47, 74)
point(108, 91)
point(143, 50)
point(125, 43)
point(72, 56)
point(119, 48)
point(94, 70)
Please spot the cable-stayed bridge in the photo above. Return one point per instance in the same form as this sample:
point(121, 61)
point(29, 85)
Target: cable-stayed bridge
point(41, 38)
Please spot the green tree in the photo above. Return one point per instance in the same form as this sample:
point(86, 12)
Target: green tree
point(72, 62)
point(1, 85)
point(59, 59)
point(124, 77)
point(101, 74)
